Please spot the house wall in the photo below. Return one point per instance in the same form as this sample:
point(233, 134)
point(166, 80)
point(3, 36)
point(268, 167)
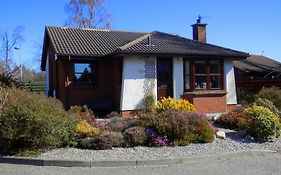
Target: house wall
point(229, 82)
point(178, 77)
point(136, 80)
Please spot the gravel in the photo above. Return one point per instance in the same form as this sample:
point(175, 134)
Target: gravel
point(232, 143)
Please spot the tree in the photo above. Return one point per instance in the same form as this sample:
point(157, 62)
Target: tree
point(87, 14)
point(8, 43)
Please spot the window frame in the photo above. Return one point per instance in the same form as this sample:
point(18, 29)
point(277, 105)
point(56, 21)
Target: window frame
point(77, 84)
point(208, 74)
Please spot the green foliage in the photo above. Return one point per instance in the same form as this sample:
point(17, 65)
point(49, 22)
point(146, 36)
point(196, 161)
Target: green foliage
point(8, 79)
point(267, 104)
point(31, 121)
point(235, 119)
point(180, 127)
point(264, 124)
point(149, 102)
point(245, 97)
point(273, 94)
point(135, 136)
point(174, 104)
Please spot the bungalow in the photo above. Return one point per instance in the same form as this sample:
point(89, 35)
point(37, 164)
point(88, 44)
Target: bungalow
point(108, 69)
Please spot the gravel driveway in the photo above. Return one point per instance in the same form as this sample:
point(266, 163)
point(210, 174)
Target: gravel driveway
point(232, 143)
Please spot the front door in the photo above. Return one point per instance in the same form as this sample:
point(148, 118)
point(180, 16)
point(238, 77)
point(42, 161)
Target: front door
point(164, 78)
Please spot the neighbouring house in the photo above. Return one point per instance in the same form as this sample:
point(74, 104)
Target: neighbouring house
point(115, 70)
point(256, 72)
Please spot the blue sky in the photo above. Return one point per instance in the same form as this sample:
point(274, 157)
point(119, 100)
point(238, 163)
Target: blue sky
point(252, 26)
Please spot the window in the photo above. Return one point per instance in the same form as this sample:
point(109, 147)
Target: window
point(187, 74)
point(85, 74)
point(202, 74)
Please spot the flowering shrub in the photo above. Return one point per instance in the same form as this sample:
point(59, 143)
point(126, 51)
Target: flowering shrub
point(83, 113)
point(175, 125)
point(264, 124)
point(268, 104)
point(135, 136)
point(84, 129)
point(235, 119)
point(174, 104)
point(155, 140)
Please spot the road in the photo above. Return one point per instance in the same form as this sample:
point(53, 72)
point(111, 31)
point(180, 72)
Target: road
point(249, 165)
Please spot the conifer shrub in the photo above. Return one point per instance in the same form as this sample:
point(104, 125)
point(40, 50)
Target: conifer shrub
point(174, 104)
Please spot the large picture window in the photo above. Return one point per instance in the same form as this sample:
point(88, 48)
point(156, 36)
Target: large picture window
point(203, 74)
point(85, 73)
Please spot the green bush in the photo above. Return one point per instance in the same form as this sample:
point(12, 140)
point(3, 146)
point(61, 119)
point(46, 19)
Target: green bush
point(31, 121)
point(273, 94)
point(135, 136)
point(180, 127)
point(235, 119)
point(264, 124)
point(267, 104)
point(149, 103)
point(245, 97)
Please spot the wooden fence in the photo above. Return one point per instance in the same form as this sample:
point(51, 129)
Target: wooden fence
point(35, 87)
point(255, 85)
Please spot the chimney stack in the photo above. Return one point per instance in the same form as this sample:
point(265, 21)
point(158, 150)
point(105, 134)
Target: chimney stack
point(199, 31)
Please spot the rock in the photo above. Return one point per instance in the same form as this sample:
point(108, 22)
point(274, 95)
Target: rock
point(221, 135)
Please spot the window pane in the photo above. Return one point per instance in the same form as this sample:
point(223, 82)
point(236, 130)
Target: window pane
point(187, 71)
point(200, 68)
point(215, 82)
point(215, 67)
point(187, 74)
point(200, 82)
point(85, 73)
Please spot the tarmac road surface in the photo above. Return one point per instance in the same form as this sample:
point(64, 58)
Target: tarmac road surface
point(248, 165)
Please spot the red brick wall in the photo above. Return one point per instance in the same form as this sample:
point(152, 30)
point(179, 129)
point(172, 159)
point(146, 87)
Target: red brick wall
point(207, 102)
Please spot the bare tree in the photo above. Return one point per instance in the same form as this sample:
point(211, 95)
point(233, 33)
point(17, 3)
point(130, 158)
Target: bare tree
point(8, 43)
point(87, 14)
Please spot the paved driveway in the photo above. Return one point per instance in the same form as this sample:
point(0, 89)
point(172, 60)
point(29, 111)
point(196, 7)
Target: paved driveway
point(248, 165)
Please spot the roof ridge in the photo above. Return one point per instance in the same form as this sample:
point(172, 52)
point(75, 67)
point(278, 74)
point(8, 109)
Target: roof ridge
point(126, 46)
point(93, 29)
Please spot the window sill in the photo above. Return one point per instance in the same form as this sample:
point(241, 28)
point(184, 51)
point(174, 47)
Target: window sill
point(205, 93)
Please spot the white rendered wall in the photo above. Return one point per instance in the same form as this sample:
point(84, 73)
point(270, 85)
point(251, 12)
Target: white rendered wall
point(177, 77)
point(133, 83)
point(229, 82)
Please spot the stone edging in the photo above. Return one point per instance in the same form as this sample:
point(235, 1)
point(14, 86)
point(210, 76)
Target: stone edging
point(122, 163)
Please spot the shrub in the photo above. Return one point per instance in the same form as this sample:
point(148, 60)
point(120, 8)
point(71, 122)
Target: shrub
point(235, 119)
point(273, 94)
point(156, 140)
point(267, 104)
point(264, 124)
point(106, 140)
point(31, 121)
point(83, 113)
point(117, 124)
point(245, 97)
point(135, 136)
point(149, 102)
point(113, 115)
point(174, 104)
point(85, 130)
point(176, 124)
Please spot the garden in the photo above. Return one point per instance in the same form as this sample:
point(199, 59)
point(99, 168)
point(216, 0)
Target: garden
point(31, 123)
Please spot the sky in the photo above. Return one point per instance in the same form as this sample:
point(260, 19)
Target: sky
point(251, 26)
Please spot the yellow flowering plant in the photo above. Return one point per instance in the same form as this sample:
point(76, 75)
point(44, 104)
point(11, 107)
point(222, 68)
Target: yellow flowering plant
point(174, 104)
point(84, 129)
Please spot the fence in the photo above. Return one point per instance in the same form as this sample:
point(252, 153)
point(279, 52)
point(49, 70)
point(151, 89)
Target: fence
point(35, 87)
